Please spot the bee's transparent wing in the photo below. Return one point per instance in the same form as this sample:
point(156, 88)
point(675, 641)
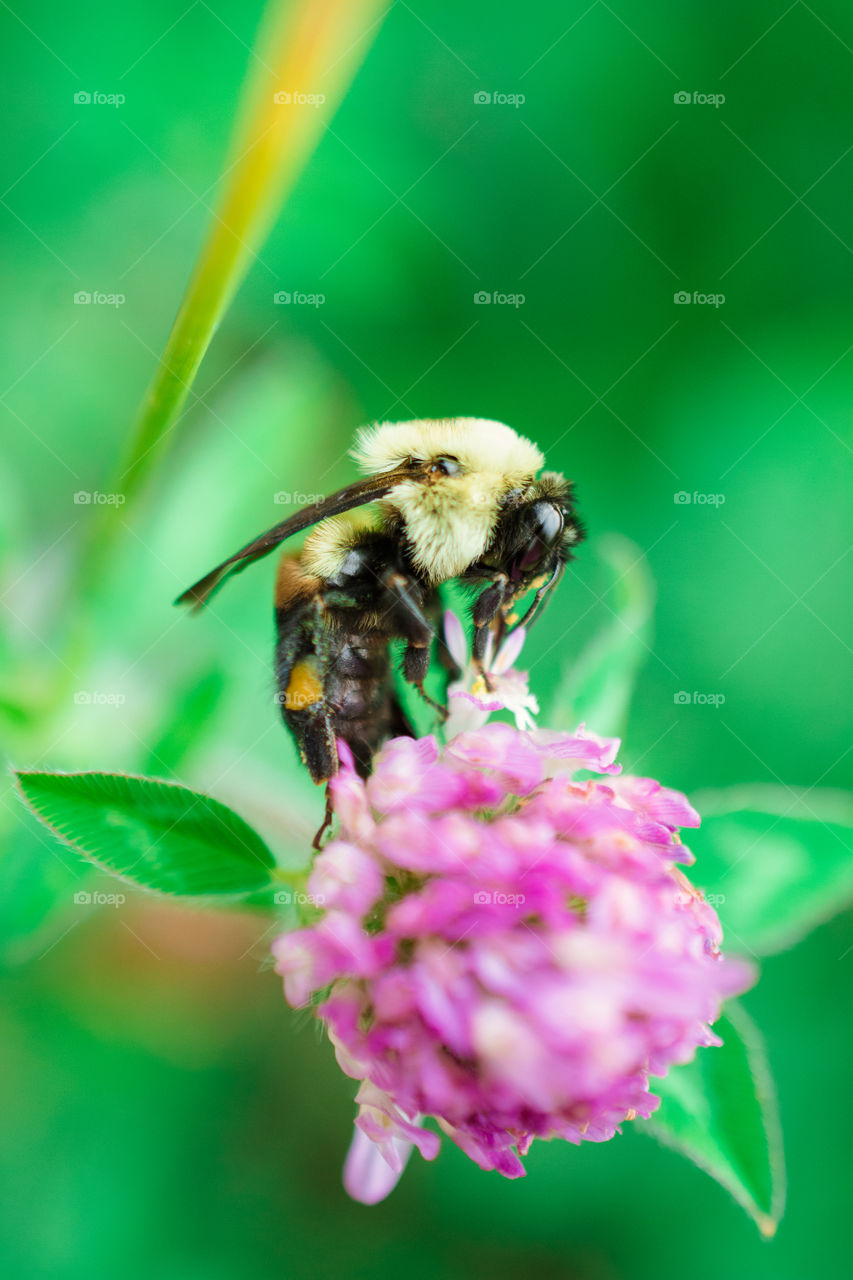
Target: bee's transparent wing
point(354, 495)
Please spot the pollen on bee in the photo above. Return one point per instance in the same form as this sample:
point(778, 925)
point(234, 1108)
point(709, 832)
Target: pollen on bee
point(304, 688)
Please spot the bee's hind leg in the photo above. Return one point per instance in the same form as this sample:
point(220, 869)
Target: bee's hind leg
point(317, 842)
point(315, 738)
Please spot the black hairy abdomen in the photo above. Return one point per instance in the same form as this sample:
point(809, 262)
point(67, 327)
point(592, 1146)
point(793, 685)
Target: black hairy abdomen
point(357, 704)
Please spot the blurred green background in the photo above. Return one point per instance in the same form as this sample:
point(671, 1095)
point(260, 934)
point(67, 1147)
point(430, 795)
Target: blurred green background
point(164, 1113)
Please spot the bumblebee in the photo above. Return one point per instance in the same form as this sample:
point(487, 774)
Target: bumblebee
point(450, 499)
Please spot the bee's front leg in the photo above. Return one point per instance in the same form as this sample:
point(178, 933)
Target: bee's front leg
point(405, 599)
point(487, 607)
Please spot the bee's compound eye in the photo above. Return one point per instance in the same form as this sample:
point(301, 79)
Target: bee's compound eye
point(547, 521)
point(445, 467)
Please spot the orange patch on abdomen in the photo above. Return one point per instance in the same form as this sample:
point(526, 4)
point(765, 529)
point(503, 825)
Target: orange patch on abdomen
point(304, 688)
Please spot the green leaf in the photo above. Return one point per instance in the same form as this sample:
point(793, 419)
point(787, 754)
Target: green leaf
point(777, 862)
point(157, 835)
point(720, 1111)
point(597, 687)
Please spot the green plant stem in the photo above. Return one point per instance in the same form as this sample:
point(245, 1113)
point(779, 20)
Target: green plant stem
point(307, 48)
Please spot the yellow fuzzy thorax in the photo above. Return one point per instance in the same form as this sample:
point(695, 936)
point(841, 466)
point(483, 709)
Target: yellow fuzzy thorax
point(450, 524)
point(327, 546)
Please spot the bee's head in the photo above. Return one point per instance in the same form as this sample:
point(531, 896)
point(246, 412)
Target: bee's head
point(466, 445)
point(534, 540)
point(463, 470)
point(538, 527)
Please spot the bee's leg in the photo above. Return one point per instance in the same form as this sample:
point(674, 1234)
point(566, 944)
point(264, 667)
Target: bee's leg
point(487, 607)
point(542, 595)
point(416, 629)
point(315, 739)
point(415, 668)
point(299, 628)
point(301, 665)
point(316, 843)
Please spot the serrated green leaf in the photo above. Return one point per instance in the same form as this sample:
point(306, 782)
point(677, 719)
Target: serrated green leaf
point(720, 1111)
point(598, 686)
point(157, 835)
point(777, 862)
